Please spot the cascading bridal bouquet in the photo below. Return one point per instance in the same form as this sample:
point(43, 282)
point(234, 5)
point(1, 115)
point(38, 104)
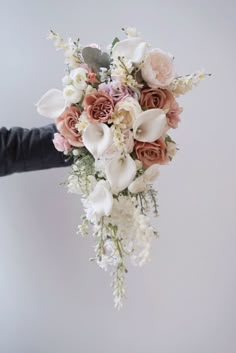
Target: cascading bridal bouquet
point(114, 115)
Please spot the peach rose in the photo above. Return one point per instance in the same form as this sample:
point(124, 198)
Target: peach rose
point(99, 107)
point(66, 125)
point(92, 77)
point(162, 99)
point(173, 115)
point(150, 153)
point(158, 70)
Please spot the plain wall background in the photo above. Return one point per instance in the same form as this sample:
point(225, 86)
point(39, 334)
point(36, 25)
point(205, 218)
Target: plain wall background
point(52, 299)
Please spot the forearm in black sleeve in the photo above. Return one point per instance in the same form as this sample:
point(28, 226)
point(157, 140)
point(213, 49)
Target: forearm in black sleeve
point(24, 150)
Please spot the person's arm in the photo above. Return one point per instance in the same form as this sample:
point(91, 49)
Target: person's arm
point(24, 150)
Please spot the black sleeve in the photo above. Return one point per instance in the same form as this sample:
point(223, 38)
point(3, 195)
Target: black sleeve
point(24, 150)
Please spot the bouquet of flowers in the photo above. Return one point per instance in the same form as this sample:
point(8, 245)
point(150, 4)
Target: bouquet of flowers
point(114, 115)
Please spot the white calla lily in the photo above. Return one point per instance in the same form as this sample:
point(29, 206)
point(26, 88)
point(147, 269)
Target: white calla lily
point(150, 125)
point(97, 138)
point(151, 173)
point(101, 199)
point(52, 104)
point(140, 183)
point(120, 172)
point(133, 49)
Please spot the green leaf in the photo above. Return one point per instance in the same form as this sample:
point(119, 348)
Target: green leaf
point(116, 40)
point(95, 58)
point(169, 139)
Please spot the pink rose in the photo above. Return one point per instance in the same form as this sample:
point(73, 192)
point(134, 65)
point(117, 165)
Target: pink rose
point(60, 143)
point(150, 153)
point(99, 106)
point(66, 125)
point(158, 69)
point(117, 92)
point(152, 98)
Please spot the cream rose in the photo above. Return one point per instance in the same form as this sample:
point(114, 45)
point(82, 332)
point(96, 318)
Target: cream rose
point(158, 69)
point(72, 95)
point(126, 111)
point(79, 77)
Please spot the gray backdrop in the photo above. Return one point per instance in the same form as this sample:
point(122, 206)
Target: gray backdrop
point(52, 299)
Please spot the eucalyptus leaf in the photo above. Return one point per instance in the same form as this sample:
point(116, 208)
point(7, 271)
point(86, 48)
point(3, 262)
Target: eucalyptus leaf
point(169, 139)
point(95, 58)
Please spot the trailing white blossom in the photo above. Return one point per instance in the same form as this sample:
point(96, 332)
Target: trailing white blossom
point(183, 84)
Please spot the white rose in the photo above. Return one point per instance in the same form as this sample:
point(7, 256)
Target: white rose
point(67, 80)
point(126, 111)
point(72, 95)
point(79, 77)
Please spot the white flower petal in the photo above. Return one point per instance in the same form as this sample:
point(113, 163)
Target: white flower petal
point(138, 185)
point(133, 49)
point(132, 32)
point(151, 173)
point(52, 104)
point(150, 125)
point(120, 172)
point(97, 138)
point(72, 94)
point(101, 199)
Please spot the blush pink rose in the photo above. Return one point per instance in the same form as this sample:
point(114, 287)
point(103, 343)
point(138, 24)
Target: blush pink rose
point(150, 153)
point(117, 92)
point(66, 125)
point(99, 106)
point(158, 69)
point(152, 98)
point(60, 143)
